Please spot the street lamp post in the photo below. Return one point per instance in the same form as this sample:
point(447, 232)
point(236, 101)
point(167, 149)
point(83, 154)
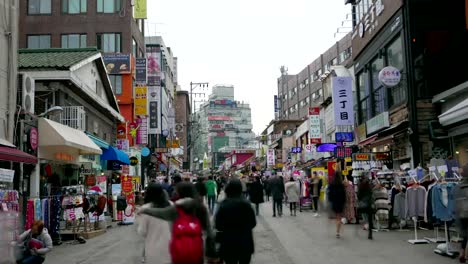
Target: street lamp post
point(193, 86)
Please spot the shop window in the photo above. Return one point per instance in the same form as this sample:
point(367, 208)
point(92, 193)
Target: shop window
point(39, 42)
point(116, 81)
point(73, 41)
point(39, 7)
point(74, 6)
point(395, 54)
point(108, 6)
point(109, 42)
point(364, 95)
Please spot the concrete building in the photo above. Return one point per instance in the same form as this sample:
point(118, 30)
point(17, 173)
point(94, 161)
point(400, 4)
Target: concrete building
point(222, 125)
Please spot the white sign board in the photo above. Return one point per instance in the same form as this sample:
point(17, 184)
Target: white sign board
point(343, 101)
point(6, 175)
point(271, 157)
point(390, 76)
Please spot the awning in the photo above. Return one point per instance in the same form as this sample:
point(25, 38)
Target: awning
point(455, 114)
point(57, 136)
point(117, 155)
point(368, 140)
point(16, 155)
point(7, 143)
point(98, 141)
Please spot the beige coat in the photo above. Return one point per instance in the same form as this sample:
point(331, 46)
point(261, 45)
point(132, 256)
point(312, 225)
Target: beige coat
point(292, 191)
point(157, 234)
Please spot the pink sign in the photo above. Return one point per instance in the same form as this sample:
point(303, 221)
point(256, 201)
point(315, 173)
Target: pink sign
point(33, 138)
point(142, 134)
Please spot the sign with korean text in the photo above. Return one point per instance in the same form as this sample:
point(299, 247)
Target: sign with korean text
point(315, 133)
point(310, 148)
point(127, 185)
point(140, 9)
point(153, 55)
point(142, 133)
point(33, 138)
point(117, 63)
point(276, 103)
point(296, 150)
point(343, 152)
point(343, 101)
point(154, 123)
point(270, 157)
point(141, 100)
point(140, 70)
point(390, 76)
point(344, 136)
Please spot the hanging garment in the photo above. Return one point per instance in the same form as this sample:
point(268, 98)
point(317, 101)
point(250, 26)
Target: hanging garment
point(37, 209)
point(29, 214)
point(55, 211)
point(428, 215)
point(415, 201)
point(443, 202)
point(399, 206)
point(350, 205)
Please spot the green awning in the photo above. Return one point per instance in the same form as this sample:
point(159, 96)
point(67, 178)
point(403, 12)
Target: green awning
point(98, 141)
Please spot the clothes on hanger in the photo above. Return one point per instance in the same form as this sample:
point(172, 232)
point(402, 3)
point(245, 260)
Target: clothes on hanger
point(443, 202)
point(415, 201)
point(399, 206)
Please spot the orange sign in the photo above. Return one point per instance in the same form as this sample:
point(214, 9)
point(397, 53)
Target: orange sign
point(382, 156)
point(362, 157)
point(127, 184)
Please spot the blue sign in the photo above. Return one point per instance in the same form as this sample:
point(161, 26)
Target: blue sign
point(296, 150)
point(145, 152)
point(344, 136)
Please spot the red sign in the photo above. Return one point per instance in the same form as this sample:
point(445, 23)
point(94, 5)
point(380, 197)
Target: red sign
point(33, 138)
point(127, 184)
point(219, 118)
point(315, 141)
point(314, 110)
point(331, 171)
point(122, 131)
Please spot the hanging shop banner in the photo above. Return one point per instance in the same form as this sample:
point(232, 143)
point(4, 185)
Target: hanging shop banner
point(153, 55)
point(102, 183)
point(140, 71)
point(271, 157)
point(343, 101)
point(154, 126)
point(142, 133)
point(140, 9)
point(315, 133)
point(344, 136)
point(331, 166)
point(122, 144)
point(122, 131)
point(33, 138)
point(343, 152)
point(117, 63)
point(141, 100)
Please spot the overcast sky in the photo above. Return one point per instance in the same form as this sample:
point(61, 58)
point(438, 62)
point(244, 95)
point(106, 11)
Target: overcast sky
point(244, 42)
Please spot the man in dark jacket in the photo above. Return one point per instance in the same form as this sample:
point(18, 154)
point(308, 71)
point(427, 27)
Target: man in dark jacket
point(201, 188)
point(277, 193)
point(234, 222)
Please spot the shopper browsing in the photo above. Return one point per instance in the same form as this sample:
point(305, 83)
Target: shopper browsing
point(37, 243)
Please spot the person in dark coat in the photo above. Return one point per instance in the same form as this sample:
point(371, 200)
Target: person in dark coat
point(201, 188)
point(337, 199)
point(234, 222)
point(277, 193)
point(366, 200)
point(256, 194)
point(266, 185)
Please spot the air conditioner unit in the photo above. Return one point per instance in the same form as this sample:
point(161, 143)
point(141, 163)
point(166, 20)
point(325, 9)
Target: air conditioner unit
point(27, 94)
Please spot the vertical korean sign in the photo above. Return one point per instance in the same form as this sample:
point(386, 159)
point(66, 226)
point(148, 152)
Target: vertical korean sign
point(142, 133)
point(140, 71)
point(343, 101)
point(141, 100)
point(153, 55)
point(154, 126)
point(271, 157)
point(315, 133)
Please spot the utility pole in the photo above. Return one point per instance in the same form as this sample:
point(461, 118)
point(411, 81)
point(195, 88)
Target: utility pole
point(193, 86)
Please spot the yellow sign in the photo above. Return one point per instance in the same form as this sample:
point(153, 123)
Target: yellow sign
point(140, 9)
point(175, 143)
point(141, 100)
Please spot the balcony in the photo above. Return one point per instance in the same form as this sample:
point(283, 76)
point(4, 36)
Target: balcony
point(72, 116)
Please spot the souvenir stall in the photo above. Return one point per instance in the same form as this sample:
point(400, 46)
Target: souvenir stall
point(9, 215)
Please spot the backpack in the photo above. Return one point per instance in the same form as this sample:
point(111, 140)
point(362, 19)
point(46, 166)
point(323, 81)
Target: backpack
point(461, 201)
point(186, 246)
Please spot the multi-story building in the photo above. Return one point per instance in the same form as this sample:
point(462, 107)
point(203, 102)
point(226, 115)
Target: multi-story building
point(222, 125)
point(108, 25)
point(298, 92)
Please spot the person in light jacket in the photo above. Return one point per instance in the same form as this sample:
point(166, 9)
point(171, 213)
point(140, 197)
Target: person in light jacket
point(155, 231)
point(292, 193)
point(37, 242)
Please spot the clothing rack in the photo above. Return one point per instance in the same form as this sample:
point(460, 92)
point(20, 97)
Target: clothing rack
point(445, 249)
point(416, 240)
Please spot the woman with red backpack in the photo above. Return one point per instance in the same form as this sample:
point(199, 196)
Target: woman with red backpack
point(190, 223)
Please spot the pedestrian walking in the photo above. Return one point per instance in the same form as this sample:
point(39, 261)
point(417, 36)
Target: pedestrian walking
point(234, 222)
point(315, 188)
point(256, 194)
point(366, 203)
point(267, 188)
point(211, 193)
point(201, 188)
point(292, 194)
point(337, 199)
point(277, 193)
point(460, 194)
point(37, 243)
point(154, 230)
point(188, 215)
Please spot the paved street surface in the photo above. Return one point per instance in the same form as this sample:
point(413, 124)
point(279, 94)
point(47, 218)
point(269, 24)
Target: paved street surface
point(288, 240)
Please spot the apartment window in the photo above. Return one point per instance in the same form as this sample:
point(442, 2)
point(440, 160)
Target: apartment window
point(39, 7)
point(108, 6)
point(109, 42)
point(364, 96)
point(74, 6)
point(307, 100)
point(307, 81)
point(397, 95)
point(74, 41)
point(116, 81)
point(39, 42)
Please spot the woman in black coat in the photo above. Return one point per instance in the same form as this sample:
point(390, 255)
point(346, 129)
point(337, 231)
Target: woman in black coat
point(234, 222)
point(256, 194)
point(337, 198)
point(365, 202)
